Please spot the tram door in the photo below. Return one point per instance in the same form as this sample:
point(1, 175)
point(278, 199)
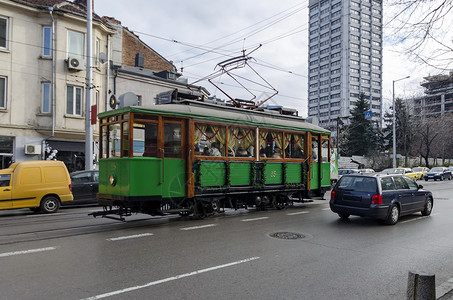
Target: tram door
point(173, 158)
point(314, 165)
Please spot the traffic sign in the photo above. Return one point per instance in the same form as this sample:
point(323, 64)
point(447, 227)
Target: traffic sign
point(368, 114)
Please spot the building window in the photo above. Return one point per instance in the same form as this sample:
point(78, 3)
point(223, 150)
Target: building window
point(46, 92)
point(75, 44)
point(3, 33)
point(47, 41)
point(97, 51)
point(73, 100)
point(2, 92)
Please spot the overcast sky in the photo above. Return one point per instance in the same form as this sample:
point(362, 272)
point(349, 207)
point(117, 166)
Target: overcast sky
point(198, 34)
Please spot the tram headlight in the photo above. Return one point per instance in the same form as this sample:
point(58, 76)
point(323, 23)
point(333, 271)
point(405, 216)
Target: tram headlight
point(112, 180)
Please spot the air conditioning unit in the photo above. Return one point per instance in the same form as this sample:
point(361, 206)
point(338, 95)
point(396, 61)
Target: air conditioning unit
point(32, 149)
point(75, 63)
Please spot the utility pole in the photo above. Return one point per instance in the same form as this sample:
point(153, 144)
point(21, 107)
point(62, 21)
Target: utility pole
point(89, 86)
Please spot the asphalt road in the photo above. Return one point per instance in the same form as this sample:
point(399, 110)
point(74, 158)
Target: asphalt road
point(315, 255)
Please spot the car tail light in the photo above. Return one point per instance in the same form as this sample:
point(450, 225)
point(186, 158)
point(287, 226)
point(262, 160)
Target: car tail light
point(70, 187)
point(376, 199)
point(332, 195)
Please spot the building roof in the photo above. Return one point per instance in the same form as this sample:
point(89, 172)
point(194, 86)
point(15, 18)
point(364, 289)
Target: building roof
point(75, 7)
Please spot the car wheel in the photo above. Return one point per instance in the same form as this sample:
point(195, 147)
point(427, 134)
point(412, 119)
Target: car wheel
point(393, 216)
point(428, 207)
point(343, 216)
point(50, 204)
point(426, 179)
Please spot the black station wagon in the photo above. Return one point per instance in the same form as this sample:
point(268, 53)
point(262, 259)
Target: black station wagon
point(379, 196)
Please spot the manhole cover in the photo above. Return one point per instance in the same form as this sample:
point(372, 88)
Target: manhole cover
point(288, 235)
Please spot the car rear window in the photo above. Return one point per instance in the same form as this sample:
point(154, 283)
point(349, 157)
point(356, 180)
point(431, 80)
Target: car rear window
point(358, 184)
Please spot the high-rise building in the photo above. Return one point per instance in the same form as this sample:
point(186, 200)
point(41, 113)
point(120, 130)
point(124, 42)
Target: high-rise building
point(345, 58)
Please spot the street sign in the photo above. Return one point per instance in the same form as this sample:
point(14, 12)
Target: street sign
point(368, 114)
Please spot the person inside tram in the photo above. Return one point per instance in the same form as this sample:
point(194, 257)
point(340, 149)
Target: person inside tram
point(214, 150)
point(277, 153)
point(241, 152)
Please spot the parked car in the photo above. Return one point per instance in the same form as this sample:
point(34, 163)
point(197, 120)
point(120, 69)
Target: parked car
point(85, 185)
point(420, 171)
point(404, 171)
point(342, 172)
point(440, 173)
point(362, 171)
point(380, 196)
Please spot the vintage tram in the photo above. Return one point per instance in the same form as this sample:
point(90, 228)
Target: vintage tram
point(193, 157)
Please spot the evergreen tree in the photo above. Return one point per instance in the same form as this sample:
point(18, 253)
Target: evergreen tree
point(404, 128)
point(360, 137)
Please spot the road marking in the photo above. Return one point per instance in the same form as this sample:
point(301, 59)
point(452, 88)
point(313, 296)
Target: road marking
point(297, 213)
point(254, 219)
point(418, 218)
point(170, 279)
point(46, 215)
point(27, 251)
point(198, 227)
point(327, 208)
point(129, 237)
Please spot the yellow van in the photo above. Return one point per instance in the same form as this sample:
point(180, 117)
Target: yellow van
point(41, 185)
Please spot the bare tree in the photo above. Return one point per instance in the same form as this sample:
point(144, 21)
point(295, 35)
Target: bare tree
point(428, 134)
point(424, 29)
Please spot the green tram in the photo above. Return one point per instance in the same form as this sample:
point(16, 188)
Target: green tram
point(197, 158)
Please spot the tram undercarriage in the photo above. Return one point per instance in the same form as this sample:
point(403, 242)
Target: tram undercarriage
point(201, 206)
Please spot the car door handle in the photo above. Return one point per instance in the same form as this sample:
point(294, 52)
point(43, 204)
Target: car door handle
point(7, 190)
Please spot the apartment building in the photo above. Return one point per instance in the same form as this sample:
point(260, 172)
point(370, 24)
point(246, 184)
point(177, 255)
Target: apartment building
point(345, 58)
point(43, 77)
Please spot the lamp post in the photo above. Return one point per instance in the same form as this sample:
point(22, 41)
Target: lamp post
point(394, 121)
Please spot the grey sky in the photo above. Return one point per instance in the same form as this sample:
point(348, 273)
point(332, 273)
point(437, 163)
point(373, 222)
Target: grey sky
point(208, 32)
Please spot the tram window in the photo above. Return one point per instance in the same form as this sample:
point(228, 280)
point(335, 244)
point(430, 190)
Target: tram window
point(172, 140)
point(145, 139)
point(294, 145)
point(125, 139)
point(241, 142)
point(145, 117)
point(104, 141)
point(115, 140)
point(325, 150)
point(314, 149)
point(209, 140)
point(271, 144)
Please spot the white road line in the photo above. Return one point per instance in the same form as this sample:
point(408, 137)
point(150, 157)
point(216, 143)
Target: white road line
point(327, 208)
point(27, 251)
point(129, 237)
point(418, 218)
point(297, 213)
point(254, 219)
point(198, 227)
point(170, 279)
point(46, 215)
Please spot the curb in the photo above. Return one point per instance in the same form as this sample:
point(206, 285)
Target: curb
point(445, 290)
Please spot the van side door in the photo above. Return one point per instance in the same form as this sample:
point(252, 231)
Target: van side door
point(5, 191)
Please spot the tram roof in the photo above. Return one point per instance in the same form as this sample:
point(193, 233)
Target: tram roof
point(225, 114)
